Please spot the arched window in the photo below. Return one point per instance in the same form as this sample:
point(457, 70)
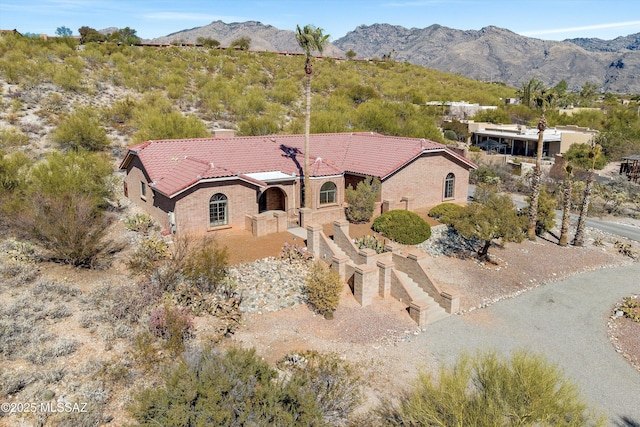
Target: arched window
point(218, 210)
point(449, 186)
point(327, 193)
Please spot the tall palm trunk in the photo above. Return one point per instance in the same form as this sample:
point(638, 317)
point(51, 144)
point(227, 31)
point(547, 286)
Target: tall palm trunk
point(307, 130)
point(566, 211)
point(578, 240)
point(535, 182)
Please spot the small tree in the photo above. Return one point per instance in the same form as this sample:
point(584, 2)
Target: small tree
point(242, 43)
point(489, 217)
point(488, 390)
point(350, 54)
point(323, 288)
point(63, 32)
point(362, 200)
point(208, 42)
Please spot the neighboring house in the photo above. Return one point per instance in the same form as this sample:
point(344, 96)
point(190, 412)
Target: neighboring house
point(197, 185)
point(519, 140)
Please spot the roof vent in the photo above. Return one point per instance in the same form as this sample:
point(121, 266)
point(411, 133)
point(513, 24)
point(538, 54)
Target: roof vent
point(211, 165)
point(318, 160)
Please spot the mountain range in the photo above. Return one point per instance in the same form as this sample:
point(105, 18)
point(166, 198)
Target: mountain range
point(491, 54)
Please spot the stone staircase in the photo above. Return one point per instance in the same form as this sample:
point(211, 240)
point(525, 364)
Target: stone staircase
point(435, 312)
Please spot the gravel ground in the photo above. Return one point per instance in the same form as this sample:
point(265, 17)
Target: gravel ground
point(391, 349)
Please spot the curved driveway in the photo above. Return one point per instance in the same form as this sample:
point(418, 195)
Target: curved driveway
point(567, 322)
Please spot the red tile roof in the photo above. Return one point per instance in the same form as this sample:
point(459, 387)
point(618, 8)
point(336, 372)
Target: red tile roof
point(175, 165)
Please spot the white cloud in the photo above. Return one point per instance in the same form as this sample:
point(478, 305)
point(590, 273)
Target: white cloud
point(583, 28)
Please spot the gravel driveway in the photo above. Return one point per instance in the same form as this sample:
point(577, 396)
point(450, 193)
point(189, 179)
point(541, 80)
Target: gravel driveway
point(567, 322)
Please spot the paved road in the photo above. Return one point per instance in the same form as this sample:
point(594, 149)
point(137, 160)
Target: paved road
point(567, 322)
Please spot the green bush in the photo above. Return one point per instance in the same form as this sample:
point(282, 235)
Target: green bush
point(362, 200)
point(450, 135)
point(522, 390)
point(444, 212)
point(323, 288)
point(237, 388)
point(82, 129)
point(155, 123)
point(402, 226)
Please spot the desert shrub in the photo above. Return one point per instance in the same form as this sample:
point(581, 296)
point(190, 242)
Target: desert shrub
point(173, 325)
point(295, 252)
point(231, 389)
point(445, 211)
point(206, 265)
point(323, 287)
point(140, 223)
point(78, 172)
point(13, 170)
point(630, 307)
point(450, 135)
point(362, 200)
point(370, 242)
point(149, 253)
point(261, 125)
point(69, 227)
point(334, 382)
point(402, 226)
point(156, 123)
point(522, 390)
point(68, 78)
point(10, 137)
point(82, 129)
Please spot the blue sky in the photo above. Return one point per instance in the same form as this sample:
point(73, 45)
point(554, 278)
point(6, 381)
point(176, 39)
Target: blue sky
point(544, 19)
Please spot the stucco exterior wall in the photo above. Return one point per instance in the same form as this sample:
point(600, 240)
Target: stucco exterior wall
point(423, 182)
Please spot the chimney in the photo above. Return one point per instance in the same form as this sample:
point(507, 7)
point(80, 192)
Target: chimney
point(224, 133)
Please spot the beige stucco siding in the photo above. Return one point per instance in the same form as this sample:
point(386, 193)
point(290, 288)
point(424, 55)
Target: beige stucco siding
point(423, 181)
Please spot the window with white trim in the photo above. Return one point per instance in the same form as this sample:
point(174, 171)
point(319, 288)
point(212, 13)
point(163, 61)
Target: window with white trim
point(449, 186)
point(218, 210)
point(327, 193)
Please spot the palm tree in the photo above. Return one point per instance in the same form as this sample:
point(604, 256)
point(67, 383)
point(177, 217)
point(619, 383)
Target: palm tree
point(593, 157)
point(310, 39)
point(566, 205)
point(535, 182)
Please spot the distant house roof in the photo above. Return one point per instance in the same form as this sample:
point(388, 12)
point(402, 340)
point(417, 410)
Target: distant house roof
point(176, 165)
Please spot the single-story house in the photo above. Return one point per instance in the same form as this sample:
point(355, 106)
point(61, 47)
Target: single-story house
point(193, 186)
point(521, 140)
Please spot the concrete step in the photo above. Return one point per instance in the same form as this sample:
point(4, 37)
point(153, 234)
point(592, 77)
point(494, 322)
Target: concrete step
point(435, 312)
